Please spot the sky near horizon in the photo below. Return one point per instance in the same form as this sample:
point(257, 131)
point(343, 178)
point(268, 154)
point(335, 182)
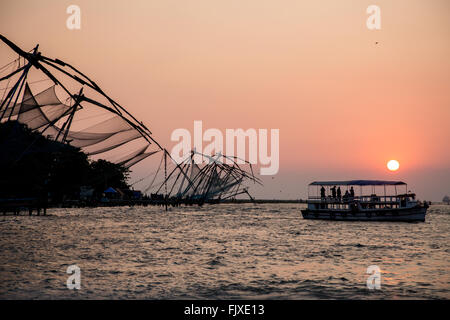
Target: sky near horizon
point(346, 99)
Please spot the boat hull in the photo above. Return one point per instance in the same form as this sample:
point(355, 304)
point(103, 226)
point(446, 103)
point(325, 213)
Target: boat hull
point(403, 214)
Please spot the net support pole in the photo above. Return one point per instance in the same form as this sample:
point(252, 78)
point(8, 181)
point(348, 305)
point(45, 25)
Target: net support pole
point(25, 73)
point(11, 93)
point(165, 176)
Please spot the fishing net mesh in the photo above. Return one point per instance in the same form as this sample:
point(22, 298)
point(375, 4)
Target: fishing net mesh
point(44, 112)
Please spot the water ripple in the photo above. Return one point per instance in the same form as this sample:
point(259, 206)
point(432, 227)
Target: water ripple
point(221, 252)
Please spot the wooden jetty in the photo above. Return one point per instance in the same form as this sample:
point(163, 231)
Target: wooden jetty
point(16, 205)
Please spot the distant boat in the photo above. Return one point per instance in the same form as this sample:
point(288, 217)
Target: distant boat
point(373, 207)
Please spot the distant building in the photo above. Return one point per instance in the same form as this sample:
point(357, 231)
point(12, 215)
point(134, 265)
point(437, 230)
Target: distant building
point(128, 194)
point(122, 194)
point(137, 194)
point(86, 193)
point(112, 193)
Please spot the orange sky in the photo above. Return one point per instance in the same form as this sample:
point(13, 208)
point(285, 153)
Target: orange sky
point(344, 104)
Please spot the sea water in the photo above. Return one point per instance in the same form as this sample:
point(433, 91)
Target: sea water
point(226, 251)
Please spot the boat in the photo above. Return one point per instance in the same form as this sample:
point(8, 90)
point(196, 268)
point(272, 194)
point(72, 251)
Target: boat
point(328, 203)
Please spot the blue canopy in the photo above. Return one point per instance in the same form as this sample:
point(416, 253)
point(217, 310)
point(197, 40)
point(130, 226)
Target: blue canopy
point(110, 190)
point(357, 183)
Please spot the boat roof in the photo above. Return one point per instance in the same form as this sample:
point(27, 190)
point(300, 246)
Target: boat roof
point(358, 183)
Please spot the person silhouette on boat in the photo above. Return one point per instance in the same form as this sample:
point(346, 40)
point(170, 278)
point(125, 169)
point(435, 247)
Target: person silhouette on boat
point(339, 193)
point(346, 196)
point(322, 192)
point(352, 192)
point(333, 192)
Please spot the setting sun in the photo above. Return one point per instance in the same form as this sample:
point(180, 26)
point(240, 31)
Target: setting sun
point(393, 165)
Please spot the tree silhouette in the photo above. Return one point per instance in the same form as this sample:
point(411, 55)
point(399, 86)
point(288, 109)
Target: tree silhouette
point(36, 166)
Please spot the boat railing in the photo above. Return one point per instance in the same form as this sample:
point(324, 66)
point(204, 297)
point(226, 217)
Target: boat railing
point(366, 199)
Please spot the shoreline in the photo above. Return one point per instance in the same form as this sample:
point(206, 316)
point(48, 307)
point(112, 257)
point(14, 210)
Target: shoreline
point(29, 206)
point(16, 206)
